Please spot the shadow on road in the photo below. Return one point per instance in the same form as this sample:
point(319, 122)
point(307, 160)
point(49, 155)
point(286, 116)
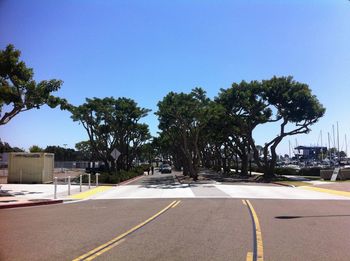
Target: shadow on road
point(321, 216)
point(161, 182)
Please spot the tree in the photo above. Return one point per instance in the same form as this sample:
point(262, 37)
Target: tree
point(19, 92)
point(243, 111)
point(278, 100)
point(113, 123)
point(183, 116)
point(62, 154)
point(293, 106)
point(85, 150)
point(5, 147)
point(35, 148)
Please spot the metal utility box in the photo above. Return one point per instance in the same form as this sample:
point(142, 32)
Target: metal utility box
point(28, 168)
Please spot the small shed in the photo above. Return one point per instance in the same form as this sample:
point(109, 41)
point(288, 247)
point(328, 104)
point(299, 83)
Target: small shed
point(30, 168)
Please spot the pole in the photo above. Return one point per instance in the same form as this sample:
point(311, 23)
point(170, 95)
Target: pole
point(333, 137)
point(346, 146)
point(81, 181)
point(89, 180)
point(321, 147)
point(97, 174)
point(68, 185)
point(329, 147)
point(20, 177)
point(289, 150)
point(55, 188)
point(338, 144)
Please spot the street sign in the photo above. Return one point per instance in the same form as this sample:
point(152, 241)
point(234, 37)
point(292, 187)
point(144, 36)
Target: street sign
point(115, 154)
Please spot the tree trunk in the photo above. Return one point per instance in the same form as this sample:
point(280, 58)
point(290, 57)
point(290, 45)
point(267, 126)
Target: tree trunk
point(244, 165)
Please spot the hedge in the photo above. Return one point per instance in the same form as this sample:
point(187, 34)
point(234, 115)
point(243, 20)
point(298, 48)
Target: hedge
point(114, 178)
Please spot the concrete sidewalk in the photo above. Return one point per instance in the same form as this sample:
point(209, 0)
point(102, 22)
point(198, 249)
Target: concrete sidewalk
point(15, 195)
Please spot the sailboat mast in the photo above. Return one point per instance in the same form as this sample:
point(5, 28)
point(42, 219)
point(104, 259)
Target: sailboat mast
point(338, 143)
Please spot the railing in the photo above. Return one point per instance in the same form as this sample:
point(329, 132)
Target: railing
point(67, 181)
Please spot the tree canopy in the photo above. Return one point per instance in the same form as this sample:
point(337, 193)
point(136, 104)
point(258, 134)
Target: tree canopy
point(19, 92)
point(113, 124)
point(210, 132)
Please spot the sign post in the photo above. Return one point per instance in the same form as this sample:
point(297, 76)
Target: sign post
point(115, 154)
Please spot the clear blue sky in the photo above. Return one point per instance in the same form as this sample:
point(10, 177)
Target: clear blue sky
point(144, 49)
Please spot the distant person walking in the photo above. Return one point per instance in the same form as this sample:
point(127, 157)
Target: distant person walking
point(152, 169)
point(148, 171)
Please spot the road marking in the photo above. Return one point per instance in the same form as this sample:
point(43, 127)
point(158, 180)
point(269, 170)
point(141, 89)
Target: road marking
point(258, 254)
point(243, 201)
point(105, 250)
point(91, 192)
point(329, 191)
point(177, 203)
point(97, 251)
point(249, 256)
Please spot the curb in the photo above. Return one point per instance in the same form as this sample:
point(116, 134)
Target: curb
point(30, 204)
point(282, 184)
point(129, 180)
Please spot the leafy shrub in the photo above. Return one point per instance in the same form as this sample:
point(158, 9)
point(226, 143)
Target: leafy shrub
point(316, 171)
point(113, 178)
point(286, 171)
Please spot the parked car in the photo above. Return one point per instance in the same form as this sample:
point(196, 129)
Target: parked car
point(165, 168)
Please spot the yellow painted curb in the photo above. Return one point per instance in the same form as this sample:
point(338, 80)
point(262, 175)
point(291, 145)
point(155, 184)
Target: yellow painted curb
point(91, 192)
point(329, 191)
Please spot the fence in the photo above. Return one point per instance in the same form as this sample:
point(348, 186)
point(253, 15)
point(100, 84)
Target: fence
point(68, 181)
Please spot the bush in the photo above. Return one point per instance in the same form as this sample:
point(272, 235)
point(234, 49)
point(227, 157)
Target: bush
point(286, 171)
point(315, 171)
point(114, 178)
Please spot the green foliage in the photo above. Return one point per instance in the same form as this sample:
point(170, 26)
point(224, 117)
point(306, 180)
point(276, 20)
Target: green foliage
point(19, 92)
point(5, 147)
point(114, 178)
point(197, 129)
point(286, 171)
point(113, 123)
point(315, 171)
point(35, 148)
point(85, 150)
point(63, 154)
point(182, 118)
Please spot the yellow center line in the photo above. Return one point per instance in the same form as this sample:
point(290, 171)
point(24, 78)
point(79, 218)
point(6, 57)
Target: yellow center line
point(177, 203)
point(105, 250)
point(259, 242)
point(249, 256)
point(99, 250)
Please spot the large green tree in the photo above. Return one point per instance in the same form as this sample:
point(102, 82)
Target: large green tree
point(293, 107)
point(280, 100)
point(244, 109)
point(183, 116)
point(113, 124)
point(18, 91)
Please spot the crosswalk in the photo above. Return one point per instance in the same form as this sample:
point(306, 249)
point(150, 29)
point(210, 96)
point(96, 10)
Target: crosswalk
point(213, 191)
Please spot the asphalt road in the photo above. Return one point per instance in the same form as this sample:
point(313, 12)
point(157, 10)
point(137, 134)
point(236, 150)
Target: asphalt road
point(181, 229)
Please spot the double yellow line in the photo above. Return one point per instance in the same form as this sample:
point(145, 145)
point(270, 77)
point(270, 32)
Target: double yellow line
point(119, 239)
point(258, 244)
